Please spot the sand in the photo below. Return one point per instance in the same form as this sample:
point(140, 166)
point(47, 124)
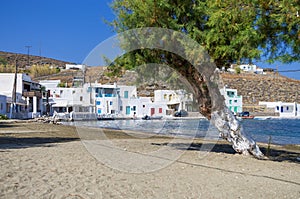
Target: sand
point(50, 161)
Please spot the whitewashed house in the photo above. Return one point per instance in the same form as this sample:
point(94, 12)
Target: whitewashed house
point(232, 100)
point(28, 101)
point(285, 109)
point(252, 68)
point(174, 100)
point(76, 66)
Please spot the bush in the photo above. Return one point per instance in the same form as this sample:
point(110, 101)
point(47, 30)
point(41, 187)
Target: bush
point(3, 117)
point(237, 70)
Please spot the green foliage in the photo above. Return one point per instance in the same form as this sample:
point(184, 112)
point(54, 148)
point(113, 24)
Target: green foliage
point(62, 85)
point(3, 61)
point(237, 70)
point(7, 68)
point(41, 70)
point(3, 117)
point(232, 31)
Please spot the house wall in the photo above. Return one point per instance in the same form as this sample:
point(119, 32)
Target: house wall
point(3, 105)
point(283, 108)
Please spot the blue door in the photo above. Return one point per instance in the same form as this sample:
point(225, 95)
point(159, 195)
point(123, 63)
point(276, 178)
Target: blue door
point(127, 110)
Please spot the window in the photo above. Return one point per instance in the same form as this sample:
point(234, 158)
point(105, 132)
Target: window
point(98, 102)
point(125, 94)
point(235, 101)
point(121, 108)
point(277, 108)
point(144, 105)
point(160, 110)
point(81, 98)
point(230, 101)
point(165, 96)
point(99, 111)
point(111, 103)
point(134, 108)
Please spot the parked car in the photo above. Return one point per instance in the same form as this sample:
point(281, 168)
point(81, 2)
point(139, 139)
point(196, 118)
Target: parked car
point(181, 113)
point(246, 115)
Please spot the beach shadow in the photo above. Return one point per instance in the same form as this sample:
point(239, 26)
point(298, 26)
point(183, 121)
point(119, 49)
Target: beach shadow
point(277, 155)
point(8, 142)
point(5, 125)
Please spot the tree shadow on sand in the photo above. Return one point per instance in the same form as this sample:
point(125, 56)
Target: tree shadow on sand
point(274, 154)
point(26, 142)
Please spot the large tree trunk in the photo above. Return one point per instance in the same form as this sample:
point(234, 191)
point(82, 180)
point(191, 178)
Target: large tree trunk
point(212, 106)
point(206, 88)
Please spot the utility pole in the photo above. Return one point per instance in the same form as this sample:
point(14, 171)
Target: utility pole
point(14, 92)
point(28, 47)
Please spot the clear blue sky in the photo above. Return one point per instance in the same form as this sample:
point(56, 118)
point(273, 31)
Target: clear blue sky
point(65, 29)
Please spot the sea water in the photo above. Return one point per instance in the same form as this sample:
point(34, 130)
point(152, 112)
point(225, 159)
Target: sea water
point(278, 131)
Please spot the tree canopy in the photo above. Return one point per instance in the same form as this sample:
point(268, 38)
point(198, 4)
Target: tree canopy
point(232, 31)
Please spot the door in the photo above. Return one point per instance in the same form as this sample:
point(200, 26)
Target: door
point(127, 110)
point(152, 111)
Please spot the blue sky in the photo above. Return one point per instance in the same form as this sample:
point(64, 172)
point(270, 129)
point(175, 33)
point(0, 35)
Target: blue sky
point(65, 29)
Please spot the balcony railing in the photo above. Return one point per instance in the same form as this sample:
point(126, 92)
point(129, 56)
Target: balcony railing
point(32, 94)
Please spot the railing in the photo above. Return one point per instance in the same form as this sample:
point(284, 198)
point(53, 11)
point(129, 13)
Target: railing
point(32, 94)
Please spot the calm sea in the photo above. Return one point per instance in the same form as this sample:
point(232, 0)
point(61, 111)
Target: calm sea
point(281, 131)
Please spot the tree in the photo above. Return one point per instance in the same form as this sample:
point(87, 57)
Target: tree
point(231, 31)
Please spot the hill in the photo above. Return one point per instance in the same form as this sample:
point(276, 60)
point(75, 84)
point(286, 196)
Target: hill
point(22, 59)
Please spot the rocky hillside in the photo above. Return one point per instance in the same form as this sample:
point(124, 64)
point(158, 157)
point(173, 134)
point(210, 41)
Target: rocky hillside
point(270, 87)
point(10, 58)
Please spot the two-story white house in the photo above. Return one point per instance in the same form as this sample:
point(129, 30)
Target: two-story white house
point(232, 100)
point(175, 100)
point(27, 102)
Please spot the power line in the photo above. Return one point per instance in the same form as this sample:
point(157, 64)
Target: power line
point(28, 47)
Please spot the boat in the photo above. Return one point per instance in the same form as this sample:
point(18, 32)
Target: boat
point(248, 117)
point(147, 117)
point(105, 117)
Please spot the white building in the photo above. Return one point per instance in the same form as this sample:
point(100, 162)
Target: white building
point(66, 100)
point(175, 100)
point(246, 68)
point(28, 101)
point(76, 66)
point(285, 109)
point(232, 100)
point(114, 99)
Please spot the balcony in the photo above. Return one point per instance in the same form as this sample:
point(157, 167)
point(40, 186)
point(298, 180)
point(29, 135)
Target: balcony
point(32, 94)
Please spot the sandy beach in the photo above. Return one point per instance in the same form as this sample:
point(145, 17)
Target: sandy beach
point(41, 160)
